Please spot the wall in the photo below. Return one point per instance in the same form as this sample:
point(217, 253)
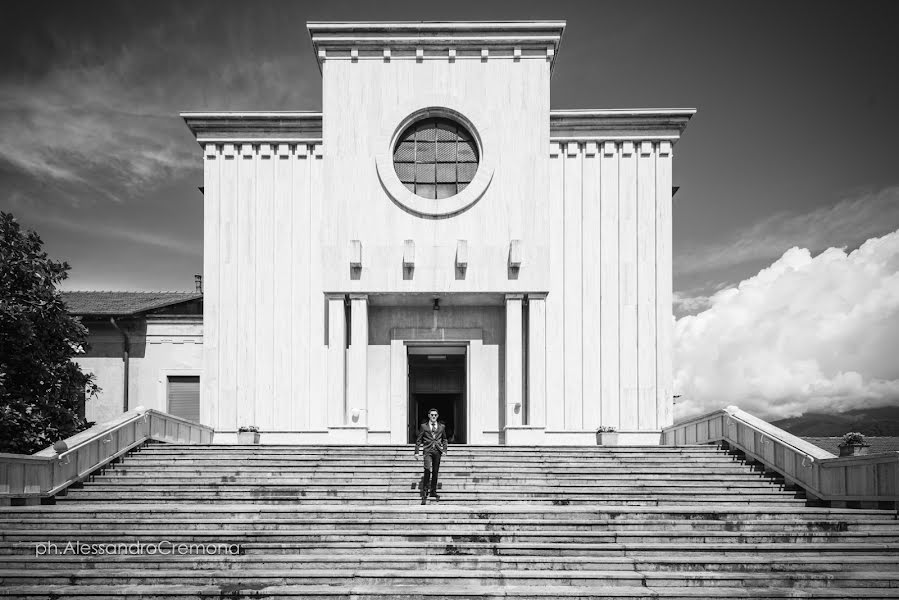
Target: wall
point(481, 328)
point(160, 346)
point(609, 362)
point(364, 104)
point(264, 309)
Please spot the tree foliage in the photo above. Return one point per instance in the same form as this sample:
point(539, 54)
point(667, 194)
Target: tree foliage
point(41, 388)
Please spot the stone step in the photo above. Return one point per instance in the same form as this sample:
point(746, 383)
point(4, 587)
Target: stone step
point(450, 577)
point(451, 452)
point(572, 453)
point(374, 535)
point(417, 524)
point(409, 459)
point(723, 512)
point(645, 551)
point(400, 448)
point(461, 488)
point(358, 591)
point(368, 455)
point(464, 482)
point(300, 562)
point(411, 499)
point(446, 469)
point(709, 474)
point(345, 522)
point(458, 484)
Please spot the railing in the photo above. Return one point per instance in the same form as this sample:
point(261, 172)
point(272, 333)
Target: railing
point(871, 478)
point(46, 473)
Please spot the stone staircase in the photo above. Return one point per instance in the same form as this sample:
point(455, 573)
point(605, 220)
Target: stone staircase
point(516, 523)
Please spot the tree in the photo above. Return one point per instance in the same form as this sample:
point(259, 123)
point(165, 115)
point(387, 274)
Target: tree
point(41, 388)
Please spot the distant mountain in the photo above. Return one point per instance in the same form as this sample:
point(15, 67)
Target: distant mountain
point(883, 421)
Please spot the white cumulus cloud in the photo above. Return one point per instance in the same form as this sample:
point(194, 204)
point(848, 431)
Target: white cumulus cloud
point(805, 334)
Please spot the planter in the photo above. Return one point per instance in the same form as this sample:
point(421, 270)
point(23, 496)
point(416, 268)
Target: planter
point(607, 438)
point(247, 437)
point(854, 449)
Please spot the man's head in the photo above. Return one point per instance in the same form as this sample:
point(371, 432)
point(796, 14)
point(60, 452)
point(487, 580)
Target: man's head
point(432, 415)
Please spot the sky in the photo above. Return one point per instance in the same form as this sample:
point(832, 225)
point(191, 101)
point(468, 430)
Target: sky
point(788, 174)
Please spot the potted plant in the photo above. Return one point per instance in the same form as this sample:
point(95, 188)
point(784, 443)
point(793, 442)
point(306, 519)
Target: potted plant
point(248, 434)
point(854, 444)
point(606, 436)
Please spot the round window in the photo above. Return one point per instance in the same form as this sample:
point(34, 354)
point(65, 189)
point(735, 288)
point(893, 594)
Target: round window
point(435, 158)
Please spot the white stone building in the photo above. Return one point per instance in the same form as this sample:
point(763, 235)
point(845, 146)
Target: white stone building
point(438, 236)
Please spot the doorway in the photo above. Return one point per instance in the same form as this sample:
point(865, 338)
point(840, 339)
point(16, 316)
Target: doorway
point(437, 380)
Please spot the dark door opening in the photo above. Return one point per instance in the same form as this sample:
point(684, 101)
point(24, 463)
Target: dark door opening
point(437, 380)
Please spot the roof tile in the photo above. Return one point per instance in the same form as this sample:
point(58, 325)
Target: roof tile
point(123, 303)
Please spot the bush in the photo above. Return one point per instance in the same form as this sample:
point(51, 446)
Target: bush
point(41, 389)
point(853, 438)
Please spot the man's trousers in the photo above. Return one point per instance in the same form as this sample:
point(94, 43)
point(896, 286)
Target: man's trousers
point(429, 478)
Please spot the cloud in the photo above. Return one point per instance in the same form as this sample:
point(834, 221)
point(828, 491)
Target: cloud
point(805, 334)
point(67, 129)
point(848, 222)
point(100, 117)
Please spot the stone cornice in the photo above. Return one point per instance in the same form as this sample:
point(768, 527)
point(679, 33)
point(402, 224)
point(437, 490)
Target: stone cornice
point(448, 40)
point(231, 127)
point(623, 124)
point(565, 125)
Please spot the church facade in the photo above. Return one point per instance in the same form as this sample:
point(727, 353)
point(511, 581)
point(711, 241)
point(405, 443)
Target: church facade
point(438, 236)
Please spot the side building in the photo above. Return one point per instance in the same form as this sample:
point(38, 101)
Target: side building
point(145, 349)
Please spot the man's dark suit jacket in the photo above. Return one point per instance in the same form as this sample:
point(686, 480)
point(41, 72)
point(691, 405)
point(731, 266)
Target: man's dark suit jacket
point(429, 440)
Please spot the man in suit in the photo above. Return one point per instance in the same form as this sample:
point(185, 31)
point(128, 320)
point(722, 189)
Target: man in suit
point(432, 439)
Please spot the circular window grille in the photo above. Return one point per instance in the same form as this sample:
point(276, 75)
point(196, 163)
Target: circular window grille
point(435, 158)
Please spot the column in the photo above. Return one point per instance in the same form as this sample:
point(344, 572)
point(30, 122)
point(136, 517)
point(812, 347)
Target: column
point(514, 381)
point(537, 360)
point(336, 363)
point(357, 369)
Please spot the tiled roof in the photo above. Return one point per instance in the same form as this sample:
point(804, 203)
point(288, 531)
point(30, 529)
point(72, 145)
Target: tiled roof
point(123, 303)
point(878, 444)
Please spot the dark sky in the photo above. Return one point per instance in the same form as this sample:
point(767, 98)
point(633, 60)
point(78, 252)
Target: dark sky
point(796, 142)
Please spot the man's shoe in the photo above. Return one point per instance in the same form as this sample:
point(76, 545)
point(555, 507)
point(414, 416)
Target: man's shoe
point(424, 500)
point(435, 497)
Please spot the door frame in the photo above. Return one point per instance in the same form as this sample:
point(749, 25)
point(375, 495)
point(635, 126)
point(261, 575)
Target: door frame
point(464, 346)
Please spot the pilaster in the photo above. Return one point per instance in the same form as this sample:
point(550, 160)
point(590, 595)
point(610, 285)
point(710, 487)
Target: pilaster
point(536, 360)
point(514, 357)
point(357, 367)
point(335, 385)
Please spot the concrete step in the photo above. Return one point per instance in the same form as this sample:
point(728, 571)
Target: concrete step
point(372, 534)
point(447, 524)
point(724, 512)
point(646, 551)
point(708, 562)
point(460, 487)
point(458, 484)
point(411, 499)
point(737, 472)
point(454, 482)
point(528, 523)
point(451, 577)
point(486, 459)
point(458, 448)
point(359, 591)
point(446, 469)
